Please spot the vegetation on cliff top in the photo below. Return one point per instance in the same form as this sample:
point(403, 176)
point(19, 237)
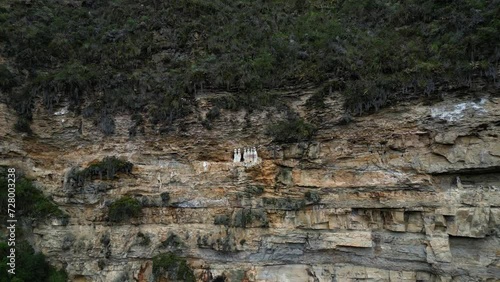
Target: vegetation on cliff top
point(152, 57)
point(293, 130)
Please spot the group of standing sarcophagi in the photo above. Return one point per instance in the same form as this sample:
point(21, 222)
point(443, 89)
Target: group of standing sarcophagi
point(249, 156)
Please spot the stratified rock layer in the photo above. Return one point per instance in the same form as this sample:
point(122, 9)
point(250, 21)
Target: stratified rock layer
point(407, 194)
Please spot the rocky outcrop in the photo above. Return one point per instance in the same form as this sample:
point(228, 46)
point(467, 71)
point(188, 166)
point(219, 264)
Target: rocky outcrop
point(410, 193)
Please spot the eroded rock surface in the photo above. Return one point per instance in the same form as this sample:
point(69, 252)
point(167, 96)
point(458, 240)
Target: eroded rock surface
point(411, 193)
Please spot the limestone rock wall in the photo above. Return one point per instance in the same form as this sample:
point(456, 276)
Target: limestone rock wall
point(411, 193)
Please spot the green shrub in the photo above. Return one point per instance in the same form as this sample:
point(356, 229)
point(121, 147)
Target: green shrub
point(250, 100)
point(123, 209)
point(107, 125)
point(101, 263)
point(57, 275)
point(364, 97)
point(30, 266)
point(312, 197)
point(23, 125)
point(106, 244)
point(284, 203)
point(107, 168)
point(256, 190)
point(7, 79)
point(213, 114)
point(30, 201)
point(245, 217)
point(293, 130)
point(250, 192)
point(68, 242)
point(144, 239)
point(173, 241)
point(222, 220)
point(317, 100)
point(242, 218)
point(346, 118)
point(206, 124)
point(174, 267)
point(165, 198)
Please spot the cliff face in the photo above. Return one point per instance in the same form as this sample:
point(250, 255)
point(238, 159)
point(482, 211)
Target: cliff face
point(407, 194)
